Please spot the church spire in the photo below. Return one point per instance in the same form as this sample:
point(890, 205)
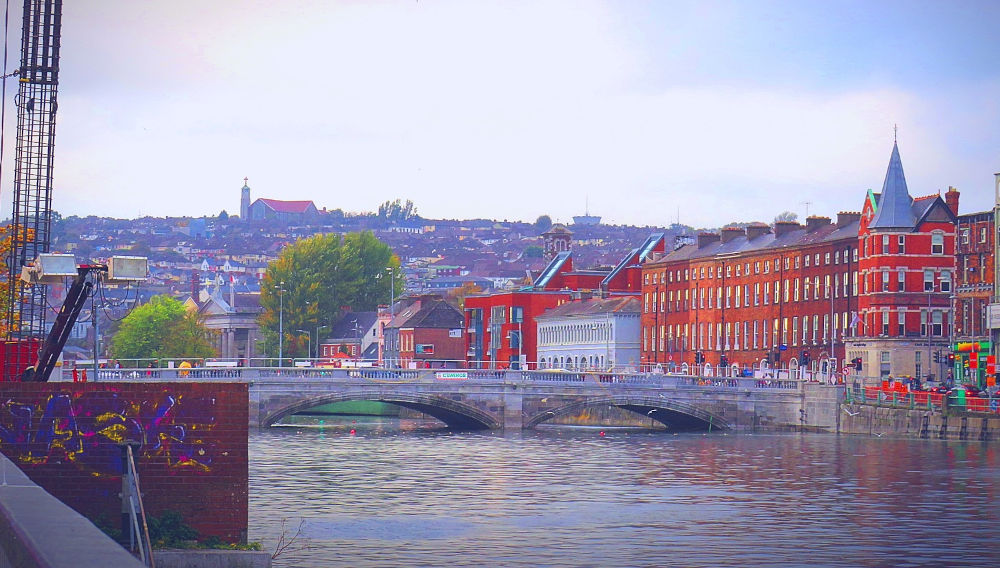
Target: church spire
point(895, 206)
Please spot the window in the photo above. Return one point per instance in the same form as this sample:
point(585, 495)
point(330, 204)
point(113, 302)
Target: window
point(982, 235)
point(738, 270)
point(767, 267)
point(928, 281)
point(756, 293)
point(517, 314)
point(902, 324)
point(945, 281)
point(937, 319)
point(854, 254)
point(901, 243)
point(816, 259)
point(795, 330)
point(937, 243)
point(796, 293)
point(767, 293)
point(885, 280)
point(885, 244)
point(901, 282)
point(729, 271)
point(807, 283)
point(786, 263)
point(807, 261)
point(797, 259)
point(756, 267)
point(923, 322)
point(965, 236)
point(826, 259)
point(885, 322)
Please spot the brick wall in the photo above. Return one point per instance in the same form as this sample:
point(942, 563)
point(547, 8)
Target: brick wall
point(192, 458)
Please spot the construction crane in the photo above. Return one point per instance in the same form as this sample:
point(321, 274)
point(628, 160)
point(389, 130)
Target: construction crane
point(31, 221)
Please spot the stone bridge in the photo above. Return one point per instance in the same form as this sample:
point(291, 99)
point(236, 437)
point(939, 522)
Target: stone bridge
point(513, 400)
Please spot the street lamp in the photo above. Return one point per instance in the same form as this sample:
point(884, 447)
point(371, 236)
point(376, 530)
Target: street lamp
point(309, 337)
point(281, 323)
point(318, 344)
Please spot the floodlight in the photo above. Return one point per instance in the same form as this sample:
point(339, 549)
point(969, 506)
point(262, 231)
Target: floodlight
point(127, 268)
point(50, 269)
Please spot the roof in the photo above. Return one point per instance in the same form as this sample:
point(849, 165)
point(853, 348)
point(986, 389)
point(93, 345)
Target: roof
point(552, 269)
point(895, 206)
point(594, 306)
point(429, 312)
point(352, 325)
point(286, 206)
point(793, 238)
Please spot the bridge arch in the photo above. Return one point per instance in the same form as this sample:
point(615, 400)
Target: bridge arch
point(456, 415)
point(673, 414)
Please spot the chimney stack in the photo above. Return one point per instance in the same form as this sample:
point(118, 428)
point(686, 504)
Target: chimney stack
point(730, 233)
point(845, 218)
point(705, 239)
point(815, 222)
point(782, 228)
point(951, 198)
point(754, 231)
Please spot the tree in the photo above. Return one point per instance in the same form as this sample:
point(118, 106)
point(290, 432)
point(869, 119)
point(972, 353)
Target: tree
point(223, 216)
point(161, 329)
point(318, 275)
point(395, 211)
point(534, 251)
point(543, 223)
point(457, 295)
point(786, 216)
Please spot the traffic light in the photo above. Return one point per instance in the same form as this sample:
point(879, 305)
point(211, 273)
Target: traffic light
point(805, 358)
point(937, 356)
point(857, 364)
point(724, 360)
point(951, 358)
point(699, 358)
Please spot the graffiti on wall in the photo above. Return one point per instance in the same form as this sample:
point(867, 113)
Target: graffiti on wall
point(86, 427)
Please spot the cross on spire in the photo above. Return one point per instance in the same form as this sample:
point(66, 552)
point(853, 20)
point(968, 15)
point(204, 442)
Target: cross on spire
point(894, 130)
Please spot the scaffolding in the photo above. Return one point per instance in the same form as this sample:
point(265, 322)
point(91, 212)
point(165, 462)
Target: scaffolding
point(31, 220)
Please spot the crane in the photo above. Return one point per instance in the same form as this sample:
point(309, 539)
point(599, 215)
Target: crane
point(31, 221)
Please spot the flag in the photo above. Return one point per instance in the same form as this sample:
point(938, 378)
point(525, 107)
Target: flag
point(854, 320)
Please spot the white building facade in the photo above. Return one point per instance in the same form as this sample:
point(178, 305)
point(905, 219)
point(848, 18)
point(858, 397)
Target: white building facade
point(591, 334)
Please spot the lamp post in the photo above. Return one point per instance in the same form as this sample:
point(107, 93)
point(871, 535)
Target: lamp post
point(281, 323)
point(318, 344)
point(310, 339)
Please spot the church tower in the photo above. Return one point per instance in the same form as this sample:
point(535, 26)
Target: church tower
point(245, 201)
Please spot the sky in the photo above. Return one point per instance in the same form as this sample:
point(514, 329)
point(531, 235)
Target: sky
point(641, 112)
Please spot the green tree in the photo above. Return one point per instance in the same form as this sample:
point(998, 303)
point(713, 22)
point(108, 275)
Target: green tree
point(313, 277)
point(161, 328)
point(786, 216)
point(543, 223)
point(534, 251)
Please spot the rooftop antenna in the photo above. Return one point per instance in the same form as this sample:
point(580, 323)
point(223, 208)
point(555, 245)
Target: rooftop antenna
point(807, 204)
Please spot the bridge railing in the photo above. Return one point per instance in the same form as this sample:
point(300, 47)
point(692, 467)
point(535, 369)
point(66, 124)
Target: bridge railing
point(376, 374)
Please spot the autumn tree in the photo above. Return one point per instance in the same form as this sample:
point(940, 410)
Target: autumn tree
point(315, 276)
point(161, 329)
point(786, 216)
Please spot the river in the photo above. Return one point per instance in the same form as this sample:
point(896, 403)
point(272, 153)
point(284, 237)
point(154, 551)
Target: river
point(394, 494)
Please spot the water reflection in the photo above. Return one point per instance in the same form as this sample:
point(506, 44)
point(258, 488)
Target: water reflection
point(574, 497)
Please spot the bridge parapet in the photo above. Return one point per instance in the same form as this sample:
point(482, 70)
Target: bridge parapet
point(509, 399)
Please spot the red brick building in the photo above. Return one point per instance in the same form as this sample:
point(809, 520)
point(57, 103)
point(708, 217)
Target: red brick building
point(501, 328)
point(747, 295)
point(873, 285)
point(425, 331)
point(974, 270)
point(906, 268)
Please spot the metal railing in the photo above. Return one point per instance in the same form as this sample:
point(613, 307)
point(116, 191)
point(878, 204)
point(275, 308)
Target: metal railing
point(895, 396)
point(135, 524)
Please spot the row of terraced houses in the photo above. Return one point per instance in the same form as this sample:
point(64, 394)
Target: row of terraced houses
point(892, 288)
